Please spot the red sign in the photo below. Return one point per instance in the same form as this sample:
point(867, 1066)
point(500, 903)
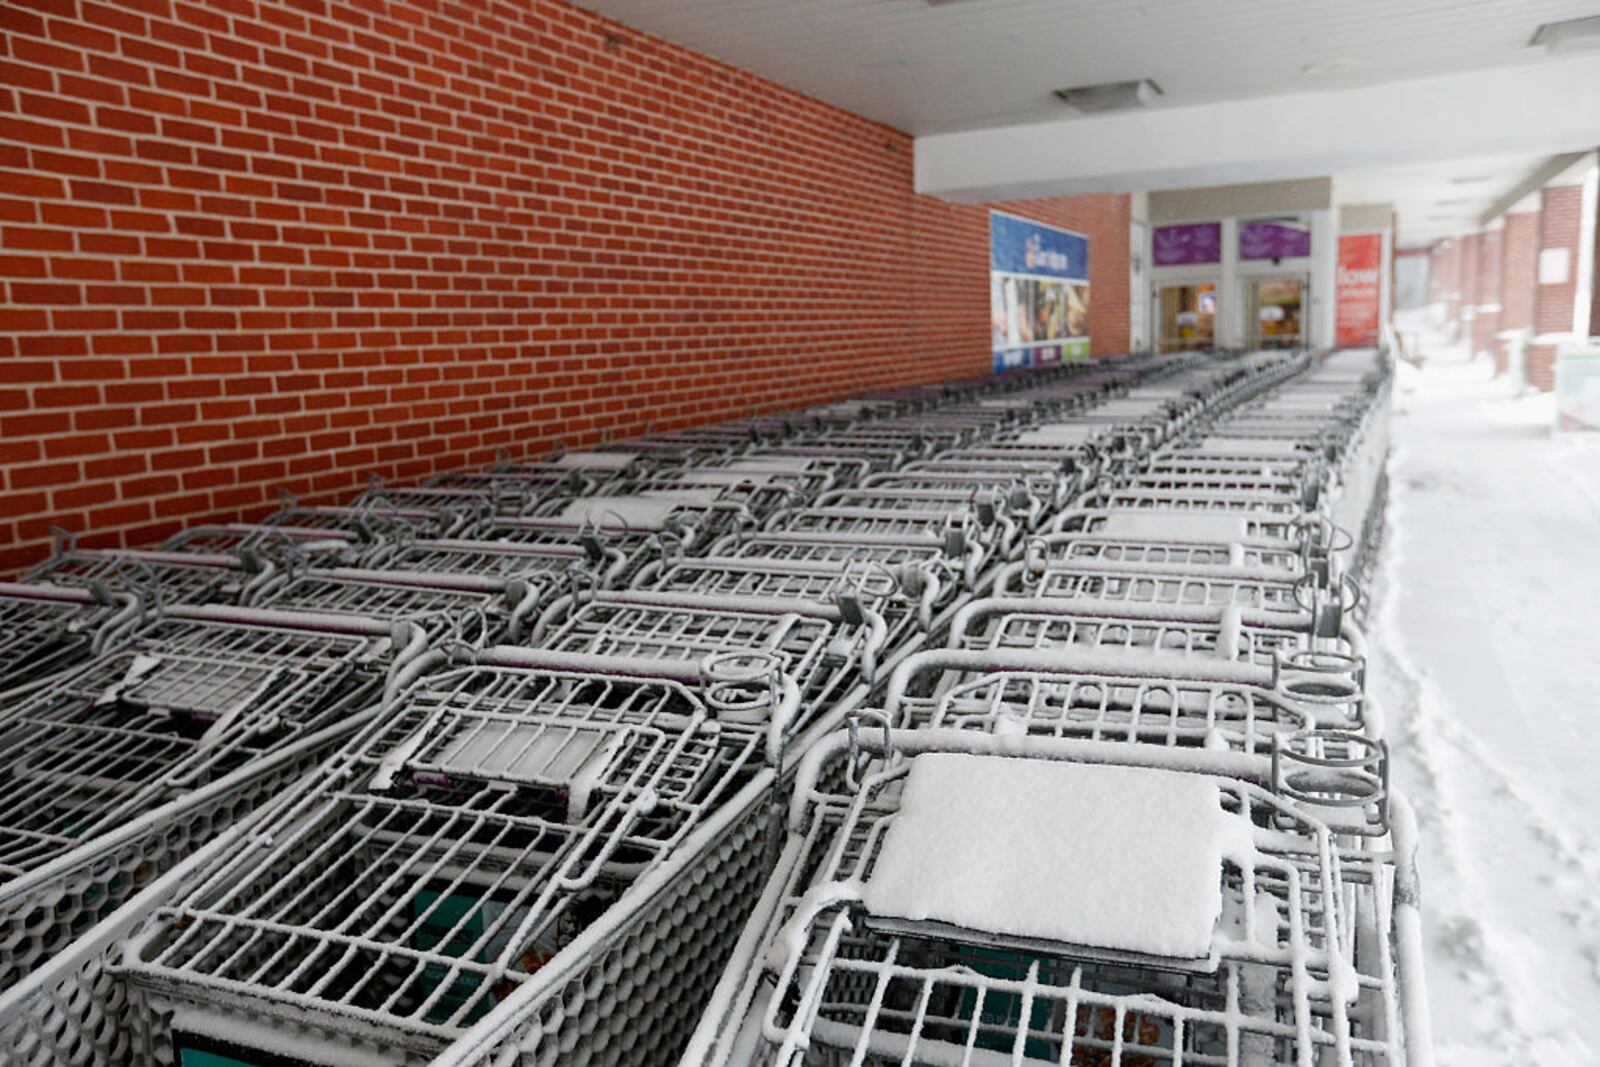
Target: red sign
point(1356, 290)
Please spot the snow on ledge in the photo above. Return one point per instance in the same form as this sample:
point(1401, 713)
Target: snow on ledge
point(1121, 858)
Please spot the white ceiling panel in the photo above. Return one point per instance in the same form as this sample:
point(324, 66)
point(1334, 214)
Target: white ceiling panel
point(963, 64)
point(1437, 200)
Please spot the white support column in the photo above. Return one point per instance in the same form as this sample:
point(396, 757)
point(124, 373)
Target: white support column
point(1324, 277)
point(1583, 300)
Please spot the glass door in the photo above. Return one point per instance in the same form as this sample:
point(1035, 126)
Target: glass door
point(1276, 307)
point(1187, 316)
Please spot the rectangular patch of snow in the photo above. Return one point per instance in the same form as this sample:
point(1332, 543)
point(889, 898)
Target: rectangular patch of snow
point(1128, 408)
point(621, 512)
point(1151, 525)
point(771, 464)
point(694, 498)
point(1287, 448)
point(725, 477)
point(596, 461)
point(1059, 434)
point(1127, 859)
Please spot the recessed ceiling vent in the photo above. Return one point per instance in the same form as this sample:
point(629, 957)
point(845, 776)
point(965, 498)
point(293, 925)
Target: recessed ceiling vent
point(1572, 35)
point(1111, 96)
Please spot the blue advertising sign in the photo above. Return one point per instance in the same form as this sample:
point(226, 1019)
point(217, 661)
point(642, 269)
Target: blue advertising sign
point(1038, 292)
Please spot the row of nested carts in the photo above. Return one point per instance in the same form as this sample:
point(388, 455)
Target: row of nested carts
point(1015, 721)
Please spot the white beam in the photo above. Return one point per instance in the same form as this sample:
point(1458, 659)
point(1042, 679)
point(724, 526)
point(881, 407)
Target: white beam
point(1540, 107)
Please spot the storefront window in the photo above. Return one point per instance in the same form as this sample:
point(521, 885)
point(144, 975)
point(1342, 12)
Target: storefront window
point(1188, 317)
point(1277, 312)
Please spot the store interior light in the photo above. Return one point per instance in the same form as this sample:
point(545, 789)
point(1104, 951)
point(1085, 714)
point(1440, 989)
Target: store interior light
point(1570, 35)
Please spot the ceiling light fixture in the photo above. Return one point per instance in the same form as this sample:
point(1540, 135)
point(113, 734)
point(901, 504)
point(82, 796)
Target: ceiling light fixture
point(1111, 96)
point(1469, 179)
point(1570, 35)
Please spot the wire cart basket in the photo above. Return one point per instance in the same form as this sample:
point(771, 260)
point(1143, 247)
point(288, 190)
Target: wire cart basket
point(45, 628)
point(514, 806)
point(1311, 955)
point(126, 761)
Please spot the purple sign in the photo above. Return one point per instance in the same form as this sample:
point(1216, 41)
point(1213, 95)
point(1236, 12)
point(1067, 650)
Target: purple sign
point(1269, 239)
point(1192, 242)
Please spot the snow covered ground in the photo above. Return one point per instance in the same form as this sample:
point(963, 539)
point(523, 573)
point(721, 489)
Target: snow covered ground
point(1486, 656)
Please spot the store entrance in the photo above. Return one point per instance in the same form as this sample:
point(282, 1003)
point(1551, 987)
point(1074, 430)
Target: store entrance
point(1276, 308)
point(1187, 315)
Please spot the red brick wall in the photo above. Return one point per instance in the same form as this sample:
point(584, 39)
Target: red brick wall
point(1444, 278)
point(1486, 316)
point(1470, 245)
point(252, 243)
point(1560, 219)
point(1519, 251)
point(1519, 260)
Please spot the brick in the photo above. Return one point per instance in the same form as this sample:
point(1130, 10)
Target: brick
point(43, 475)
point(320, 239)
point(45, 293)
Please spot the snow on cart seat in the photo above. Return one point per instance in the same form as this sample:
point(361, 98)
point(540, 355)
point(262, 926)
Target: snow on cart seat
point(1060, 434)
point(1127, 859)
point(1252, 446)
point(622, 512)
point(771, 464)
point(1143, 525)
point(596, 461)
point(1129, 407)
point(695, 498)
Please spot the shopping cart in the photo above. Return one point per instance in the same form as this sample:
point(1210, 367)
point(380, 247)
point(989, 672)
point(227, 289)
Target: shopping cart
point(1297, 706)
point(518, 816)
point(755, 490)
point(1232, 632)
point(563, 474)
point(933, 906)
point(1054, 483)
point(813, 474)
point(906, 598)
point(1007, 512)
point(441, 515)
point(635, 524)
point(242, 538)
point(482, 607)
point(543, 853)
point(1192, 526)
point(121, 764)
point(829, 649)
point(155, 574)
point(933, 522)
point(956, 564)
point(549, 564)
point(45, 628)
point(489, 496)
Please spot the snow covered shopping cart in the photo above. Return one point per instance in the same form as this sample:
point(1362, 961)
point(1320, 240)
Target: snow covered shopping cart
point(580, 828)
point(958, 899)
point(120, 766)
